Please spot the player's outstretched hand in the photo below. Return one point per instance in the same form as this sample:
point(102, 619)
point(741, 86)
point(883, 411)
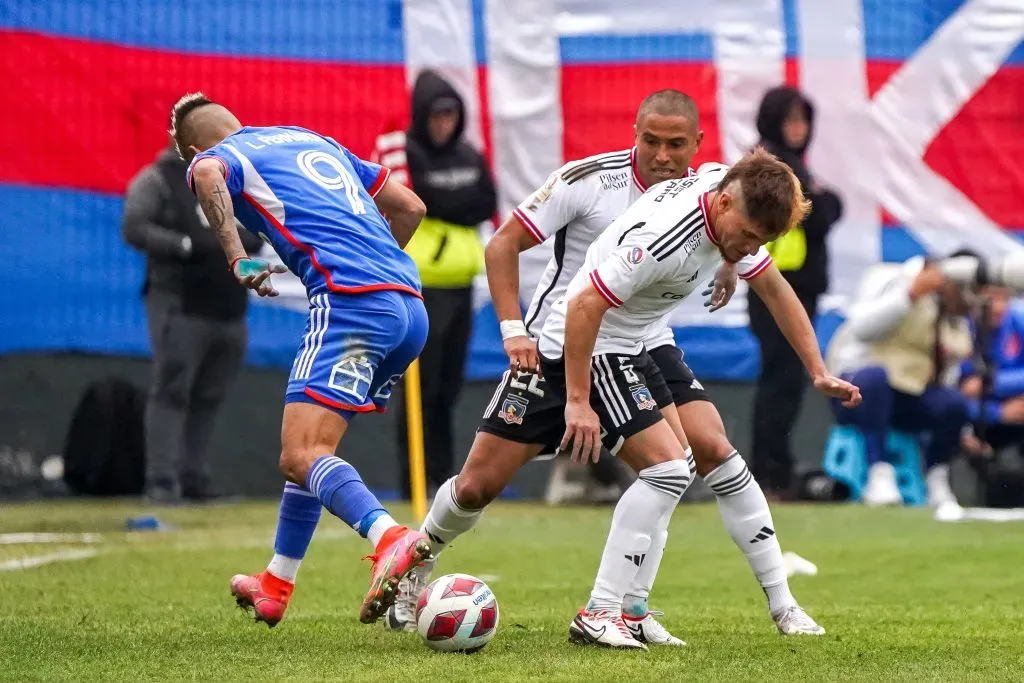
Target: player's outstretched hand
point(583, 432)
point(720, 290)
point(255, 274)
point(522, 355)
point(834, 387)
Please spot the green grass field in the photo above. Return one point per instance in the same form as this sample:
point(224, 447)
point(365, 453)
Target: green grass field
point(902, 597)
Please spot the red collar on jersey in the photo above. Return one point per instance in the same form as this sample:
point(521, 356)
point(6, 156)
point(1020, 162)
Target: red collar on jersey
point(705, 210)
point(637, 180)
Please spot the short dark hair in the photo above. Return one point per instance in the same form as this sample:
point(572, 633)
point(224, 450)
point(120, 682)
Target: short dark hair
point(771, 193)
point(182, 133)
point(669, 102)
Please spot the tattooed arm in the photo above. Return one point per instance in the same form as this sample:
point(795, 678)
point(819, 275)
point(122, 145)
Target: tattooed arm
point(212, 191)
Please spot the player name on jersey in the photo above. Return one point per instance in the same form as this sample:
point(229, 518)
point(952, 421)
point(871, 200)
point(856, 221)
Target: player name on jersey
point(576, 205)
point(648, 260)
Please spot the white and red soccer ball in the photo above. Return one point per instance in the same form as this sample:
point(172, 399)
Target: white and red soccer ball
point(457, 613)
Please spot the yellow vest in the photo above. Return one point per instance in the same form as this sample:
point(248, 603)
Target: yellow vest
point(448, 256)
point(789, 251)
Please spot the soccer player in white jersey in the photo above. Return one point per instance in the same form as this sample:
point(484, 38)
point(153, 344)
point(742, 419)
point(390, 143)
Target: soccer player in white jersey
point(524, 419)
point(593, 355)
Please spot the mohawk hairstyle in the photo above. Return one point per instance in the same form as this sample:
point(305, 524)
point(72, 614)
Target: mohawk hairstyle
point(180, 131)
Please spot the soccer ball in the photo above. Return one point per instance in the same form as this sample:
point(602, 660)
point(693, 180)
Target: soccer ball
point(457, 613)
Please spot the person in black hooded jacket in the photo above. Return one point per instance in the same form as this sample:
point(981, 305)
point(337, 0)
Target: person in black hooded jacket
point(455, 184)
point(785, 122)
point(196, 312)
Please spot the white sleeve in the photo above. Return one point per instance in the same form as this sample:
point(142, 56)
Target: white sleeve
point(750, 267)
point(882, 303)
point(552, 206)
point(627, 270)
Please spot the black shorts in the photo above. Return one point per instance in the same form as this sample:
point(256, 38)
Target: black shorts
point(680, 379)
point(627, 392)
point(525, 409)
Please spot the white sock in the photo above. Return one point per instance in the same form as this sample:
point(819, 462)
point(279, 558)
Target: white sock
point(379, 527)
point(447, 520)
point(635, 603)
point(651, 498)
point(748, 520)
point(284, 567)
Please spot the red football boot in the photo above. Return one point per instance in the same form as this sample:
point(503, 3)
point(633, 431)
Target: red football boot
point(265, 593)
point(398, 553)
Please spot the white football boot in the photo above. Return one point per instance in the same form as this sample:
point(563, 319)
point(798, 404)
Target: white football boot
point(603, 629)
point(881, 488)
point(794, 621)
point(649, 630)
point(402, 615)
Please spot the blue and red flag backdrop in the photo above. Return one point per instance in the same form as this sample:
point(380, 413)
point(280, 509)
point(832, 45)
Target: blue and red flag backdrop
point(920, 125)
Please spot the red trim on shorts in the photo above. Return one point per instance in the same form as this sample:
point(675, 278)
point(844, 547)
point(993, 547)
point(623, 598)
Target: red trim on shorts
point(308, 250)
point(378, 184)
point(530, 226)
point(338, 405)
point(603, 289)
point(758, 269)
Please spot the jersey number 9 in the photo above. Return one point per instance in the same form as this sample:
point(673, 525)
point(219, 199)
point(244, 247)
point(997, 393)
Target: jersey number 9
point(313, 161)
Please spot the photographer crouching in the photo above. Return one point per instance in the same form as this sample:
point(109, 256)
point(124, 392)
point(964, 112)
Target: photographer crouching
point(903, 342)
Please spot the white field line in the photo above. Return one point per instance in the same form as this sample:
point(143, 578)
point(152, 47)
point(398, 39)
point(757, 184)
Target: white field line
point(204, 542)
point(40, 560)
point(28, 538)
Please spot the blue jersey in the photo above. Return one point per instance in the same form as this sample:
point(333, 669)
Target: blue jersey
point(1007, 349)
point(312, 200)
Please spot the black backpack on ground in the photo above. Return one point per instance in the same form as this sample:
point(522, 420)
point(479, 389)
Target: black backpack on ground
point(104, 452)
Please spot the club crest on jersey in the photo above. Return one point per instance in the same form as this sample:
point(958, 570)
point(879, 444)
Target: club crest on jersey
point(635, 255)
point(513, 409)
point(643, 398)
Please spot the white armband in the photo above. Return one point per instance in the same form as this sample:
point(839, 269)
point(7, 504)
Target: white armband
point(512, 328)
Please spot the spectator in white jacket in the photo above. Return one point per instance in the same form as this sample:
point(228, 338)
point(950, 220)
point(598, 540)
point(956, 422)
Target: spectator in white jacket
point(902, 343)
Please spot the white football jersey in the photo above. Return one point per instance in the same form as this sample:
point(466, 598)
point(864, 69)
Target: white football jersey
point(576, 204)
point(651, 258)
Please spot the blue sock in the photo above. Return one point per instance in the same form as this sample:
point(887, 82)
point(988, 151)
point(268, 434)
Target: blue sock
point(296, 521)
point(342, 491)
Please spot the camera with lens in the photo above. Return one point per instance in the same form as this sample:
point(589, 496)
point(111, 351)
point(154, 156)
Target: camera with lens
point(976, 271)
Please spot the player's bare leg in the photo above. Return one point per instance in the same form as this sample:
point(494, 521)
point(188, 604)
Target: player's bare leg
point(745, 512)
point(310, 435)
point(457, 507)
point(659, 455)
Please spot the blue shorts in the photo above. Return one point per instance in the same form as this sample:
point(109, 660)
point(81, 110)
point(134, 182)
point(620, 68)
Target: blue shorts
point(355, 349)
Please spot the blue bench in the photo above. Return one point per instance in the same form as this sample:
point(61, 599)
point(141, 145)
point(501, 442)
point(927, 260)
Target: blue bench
point(846, 461)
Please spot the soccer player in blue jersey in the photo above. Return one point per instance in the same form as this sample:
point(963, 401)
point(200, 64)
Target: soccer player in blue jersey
point(321, 208)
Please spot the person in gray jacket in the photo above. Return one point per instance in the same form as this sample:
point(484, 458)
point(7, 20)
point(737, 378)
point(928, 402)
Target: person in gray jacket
point(196, 312)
